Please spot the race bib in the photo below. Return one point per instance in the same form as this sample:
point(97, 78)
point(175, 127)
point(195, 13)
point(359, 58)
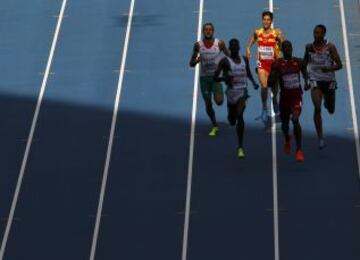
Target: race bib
point(291, 81)
point(266, 52)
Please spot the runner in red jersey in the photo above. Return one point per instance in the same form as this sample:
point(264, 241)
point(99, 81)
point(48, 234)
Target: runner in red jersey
point(268, 41)
point(286, 72)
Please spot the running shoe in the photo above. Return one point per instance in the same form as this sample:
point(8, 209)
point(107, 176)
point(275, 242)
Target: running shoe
point(299, 156)
point(241, 153)
point(264, 115)
point(322, 144)
point(214, 131)
point(287, 146)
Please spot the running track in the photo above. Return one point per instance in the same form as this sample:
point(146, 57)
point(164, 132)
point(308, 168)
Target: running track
point(96, 53)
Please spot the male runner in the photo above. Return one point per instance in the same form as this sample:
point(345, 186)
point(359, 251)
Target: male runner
point(286, 72)
point(209, 52)
point(237, 70)
point(322, 61)
point(268, 40)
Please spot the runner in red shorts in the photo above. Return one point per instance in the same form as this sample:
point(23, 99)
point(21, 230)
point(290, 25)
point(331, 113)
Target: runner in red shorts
point(286, 72)
point(268, 40)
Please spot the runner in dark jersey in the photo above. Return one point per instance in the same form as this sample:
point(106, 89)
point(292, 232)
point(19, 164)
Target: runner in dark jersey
point(286, 72)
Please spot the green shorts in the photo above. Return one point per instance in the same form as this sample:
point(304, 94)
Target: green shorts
point(209, 86)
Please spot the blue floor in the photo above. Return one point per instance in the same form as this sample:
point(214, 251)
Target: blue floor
point(144, 208)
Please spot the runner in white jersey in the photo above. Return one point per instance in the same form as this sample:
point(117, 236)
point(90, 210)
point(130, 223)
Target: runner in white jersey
point(236, 70)
point(322, 60)
point(209, 52)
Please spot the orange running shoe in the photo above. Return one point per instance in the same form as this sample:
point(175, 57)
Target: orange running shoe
point(287, 146)
point(299, 156)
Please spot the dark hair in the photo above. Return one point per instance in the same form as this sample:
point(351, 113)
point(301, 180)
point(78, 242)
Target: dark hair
point(208, 24)
point(268, 13)
point(286, 42)
point(234, 40)
point(321, 26)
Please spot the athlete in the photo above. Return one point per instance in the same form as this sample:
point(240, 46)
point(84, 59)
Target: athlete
point(322, 60)
point(286, 72)
point(209, 52)
point(236, 70)
point(268, 40)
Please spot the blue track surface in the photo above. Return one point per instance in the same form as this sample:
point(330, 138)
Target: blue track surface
point(143, 215)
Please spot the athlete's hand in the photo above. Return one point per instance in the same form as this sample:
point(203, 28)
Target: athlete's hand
point(256, 85)
point(229, 82)
point(326, 69)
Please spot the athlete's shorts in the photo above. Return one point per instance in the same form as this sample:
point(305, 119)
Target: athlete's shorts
point(290, 103)
point(233, 95)
point(327, 87)
point(209, 86)
point(232, 112)
point(265, 65)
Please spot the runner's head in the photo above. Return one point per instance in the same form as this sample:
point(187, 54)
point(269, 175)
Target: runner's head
point(267, 19)
point(319, 32)
point(208, 31)
point(286, 48)
point(234, 46)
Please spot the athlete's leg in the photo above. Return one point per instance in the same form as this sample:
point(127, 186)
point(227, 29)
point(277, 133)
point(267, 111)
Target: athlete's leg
point(285, 112)
point(297, 128)
point(240, 126)
point(316, 95)
point(263, 77)
point(329, 100)
point(232, 113)
point(206, 85)
point(217, 89)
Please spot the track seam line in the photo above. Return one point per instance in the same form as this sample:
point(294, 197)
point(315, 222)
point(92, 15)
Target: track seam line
point(192, 143)
point(112, 132)
point(32, 131)
point(274, 171)
point(351, 83)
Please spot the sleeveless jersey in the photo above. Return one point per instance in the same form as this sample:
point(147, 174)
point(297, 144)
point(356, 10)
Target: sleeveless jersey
point(209, 58)
point(239, 74)
point(268, 46)
point(319, 58)
point(290, 76)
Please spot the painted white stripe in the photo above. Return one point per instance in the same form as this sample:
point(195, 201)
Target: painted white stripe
point(192, 143)
point(112, 132)
point(274, 172)
point(32, 131)
point(351, 84)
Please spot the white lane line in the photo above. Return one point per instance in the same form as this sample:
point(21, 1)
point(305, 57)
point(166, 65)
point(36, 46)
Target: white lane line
point(192, 143)
point(351, 84)
point(112, 132)
point(32, 131)
point(274, 173)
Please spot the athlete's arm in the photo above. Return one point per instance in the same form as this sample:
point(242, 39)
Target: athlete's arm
point(304, 74)
point(249, 74)
point(251, 42)
point(336, 58)
point(280, 35)
point(223, 66)
point(306, 55)
point(223, 48)
point(195, 55)
point(274, 75)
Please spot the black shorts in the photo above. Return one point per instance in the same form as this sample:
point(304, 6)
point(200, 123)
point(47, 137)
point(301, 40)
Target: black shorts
point(327, 87)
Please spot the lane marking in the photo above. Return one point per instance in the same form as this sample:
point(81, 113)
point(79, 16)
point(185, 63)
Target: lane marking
point(351, 84)
point(112, 132)
point(32, 131)
point(274, 171)
point(192, 143)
